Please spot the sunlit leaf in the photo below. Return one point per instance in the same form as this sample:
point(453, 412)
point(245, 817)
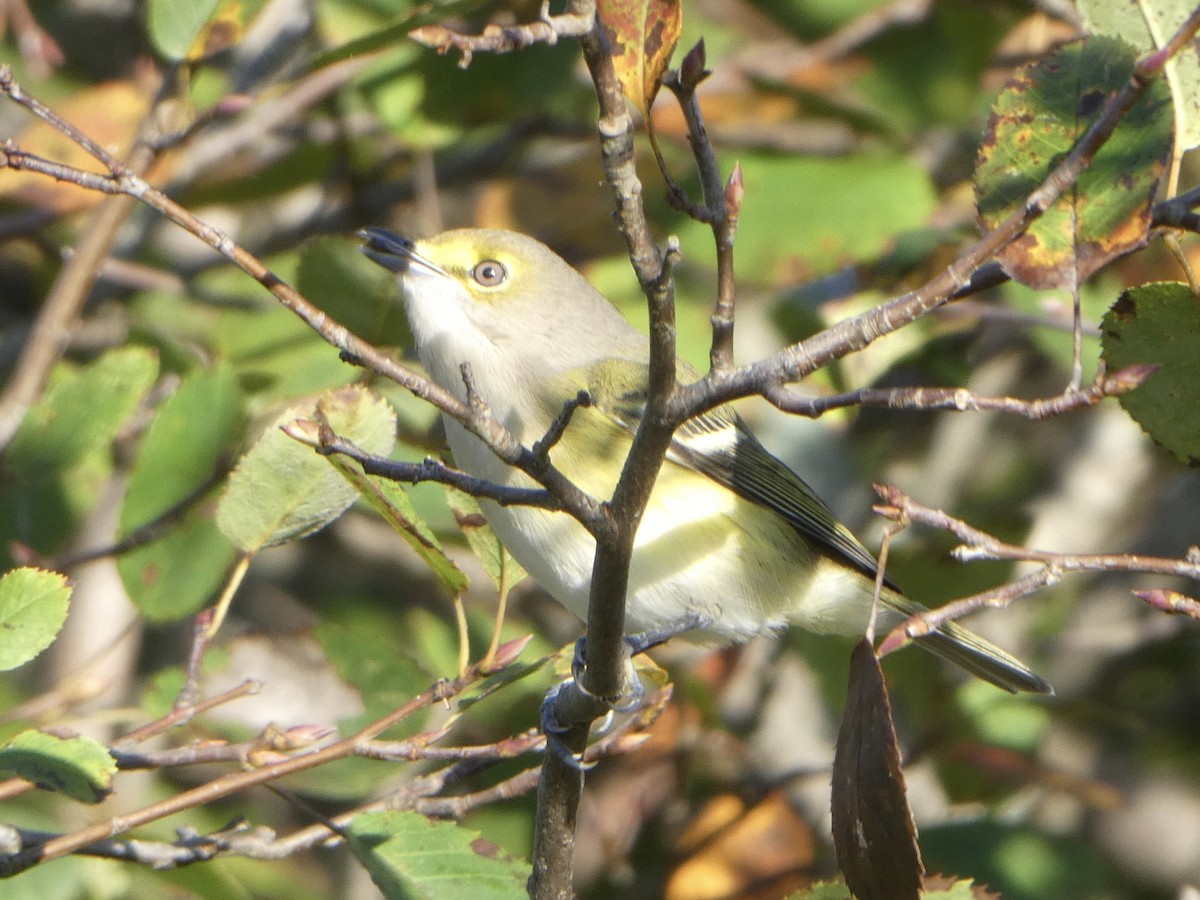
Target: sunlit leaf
point(33, 607)
point(79, 767)
point(1148, 25)
point(410, 856)
point(642, 35)
point(497, 562)
point(282, 489)
point(1037, 119)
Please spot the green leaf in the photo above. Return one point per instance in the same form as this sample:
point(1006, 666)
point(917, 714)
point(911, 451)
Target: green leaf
point(175, 575)
point(391, 501)
point(181, 30)
point(1037, 119)
point(424, 98)
point(500, 565)
point(79, 767)
point(1159, 324)
point(409, 856)
point(80, 409)
point(174, 25)
point(1148, 25)
point(834, 212)
point(276, 356)
point(33, 607)
point(335, 276)
point(183, 446)
point(384, 655)
point(282, 489)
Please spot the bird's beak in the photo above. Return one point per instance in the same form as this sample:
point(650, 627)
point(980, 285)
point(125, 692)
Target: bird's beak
point(394, 252)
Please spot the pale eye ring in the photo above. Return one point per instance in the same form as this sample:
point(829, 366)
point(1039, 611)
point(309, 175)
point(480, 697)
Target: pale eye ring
point(490, 273)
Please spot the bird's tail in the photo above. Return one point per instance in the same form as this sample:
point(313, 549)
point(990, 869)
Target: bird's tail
point(979, 657)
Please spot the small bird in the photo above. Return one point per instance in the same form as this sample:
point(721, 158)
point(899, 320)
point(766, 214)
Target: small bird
point(731, 537)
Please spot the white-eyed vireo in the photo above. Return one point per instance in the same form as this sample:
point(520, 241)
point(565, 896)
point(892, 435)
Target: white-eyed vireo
point(730, 532)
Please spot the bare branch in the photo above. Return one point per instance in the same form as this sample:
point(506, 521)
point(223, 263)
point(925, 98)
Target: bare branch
point(962, 399)
point(979, 545)
point(997, 598)
point(28, 855)
point(325, 441)
point(506, 38)
point(722, 202)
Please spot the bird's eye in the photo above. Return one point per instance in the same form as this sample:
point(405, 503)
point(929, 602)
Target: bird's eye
point(490, 273)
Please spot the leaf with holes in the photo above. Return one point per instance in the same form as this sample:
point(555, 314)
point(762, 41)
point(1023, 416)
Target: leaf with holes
point(1044, 109)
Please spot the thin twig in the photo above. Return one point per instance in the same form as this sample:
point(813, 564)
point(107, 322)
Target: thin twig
point(722, 203)
point(60, 845)
point(150, 531)
point(1102, 387)
point(979, 545)
point(505, 38)
point(327, 442)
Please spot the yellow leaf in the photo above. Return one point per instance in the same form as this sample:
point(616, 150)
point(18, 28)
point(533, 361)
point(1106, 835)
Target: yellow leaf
point(642, 35)
point(108, 113)
point(222, 31)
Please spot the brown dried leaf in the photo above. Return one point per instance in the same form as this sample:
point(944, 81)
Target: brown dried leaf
point(874, 836)
point(642, 35)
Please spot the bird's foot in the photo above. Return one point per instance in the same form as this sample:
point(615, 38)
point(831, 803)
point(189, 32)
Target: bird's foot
point(631, 701)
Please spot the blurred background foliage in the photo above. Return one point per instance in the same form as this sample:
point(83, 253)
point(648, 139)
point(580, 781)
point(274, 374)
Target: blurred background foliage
point(311, 118)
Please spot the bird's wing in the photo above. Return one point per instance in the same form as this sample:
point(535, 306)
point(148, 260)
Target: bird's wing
point(719, 446)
